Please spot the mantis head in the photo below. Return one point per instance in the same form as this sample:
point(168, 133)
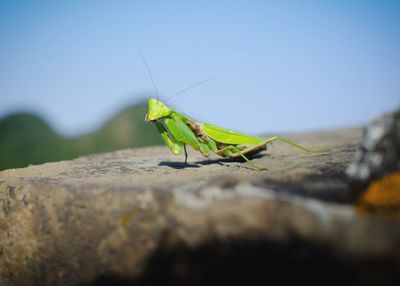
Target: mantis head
point(157, 110)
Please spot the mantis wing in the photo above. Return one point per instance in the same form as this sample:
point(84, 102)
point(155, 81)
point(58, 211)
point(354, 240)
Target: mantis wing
point(227, 136)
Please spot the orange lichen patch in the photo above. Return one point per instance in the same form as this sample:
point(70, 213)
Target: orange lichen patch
point(127, 218)
point(382, 198)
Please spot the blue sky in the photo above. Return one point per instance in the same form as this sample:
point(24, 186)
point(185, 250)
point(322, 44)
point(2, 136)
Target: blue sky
point(276, 66)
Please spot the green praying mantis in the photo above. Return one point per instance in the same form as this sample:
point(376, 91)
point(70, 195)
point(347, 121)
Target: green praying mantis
point(178, 130)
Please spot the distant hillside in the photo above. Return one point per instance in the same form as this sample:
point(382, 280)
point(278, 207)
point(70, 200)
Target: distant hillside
point(27, 139)
point(125, 130)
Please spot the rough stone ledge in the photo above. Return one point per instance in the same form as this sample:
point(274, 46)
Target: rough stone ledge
point(137, 217)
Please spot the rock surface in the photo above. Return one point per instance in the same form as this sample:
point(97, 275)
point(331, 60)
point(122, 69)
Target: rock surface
point(379, 151)
point(138, 217)
point(375, 172)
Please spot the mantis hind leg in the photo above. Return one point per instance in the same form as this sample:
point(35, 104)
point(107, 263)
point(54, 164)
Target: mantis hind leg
point(234, 152)
point(259, 147)
point(291, 143)
point(251, 164)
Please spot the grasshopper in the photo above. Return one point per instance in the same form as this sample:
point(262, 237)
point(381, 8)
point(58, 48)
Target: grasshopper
point(179, 130)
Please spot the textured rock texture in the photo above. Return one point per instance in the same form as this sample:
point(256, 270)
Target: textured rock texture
point(138, 217)
point(379, 151)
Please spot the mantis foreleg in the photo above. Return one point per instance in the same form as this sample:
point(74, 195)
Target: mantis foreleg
point(182, 134)
point(173, 145)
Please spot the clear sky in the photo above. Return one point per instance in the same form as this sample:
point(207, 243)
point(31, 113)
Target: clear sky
point(276, 65)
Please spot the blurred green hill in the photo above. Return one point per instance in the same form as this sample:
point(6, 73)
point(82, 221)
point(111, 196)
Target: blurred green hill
point(27, 139)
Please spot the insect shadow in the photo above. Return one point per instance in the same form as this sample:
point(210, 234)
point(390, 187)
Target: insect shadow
point(198, 164)
point(178, 165)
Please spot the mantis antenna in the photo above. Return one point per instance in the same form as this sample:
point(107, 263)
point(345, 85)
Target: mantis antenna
point(190, 87)
point(149, 72)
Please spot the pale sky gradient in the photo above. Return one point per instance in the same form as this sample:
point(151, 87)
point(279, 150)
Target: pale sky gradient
point(277, 66)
